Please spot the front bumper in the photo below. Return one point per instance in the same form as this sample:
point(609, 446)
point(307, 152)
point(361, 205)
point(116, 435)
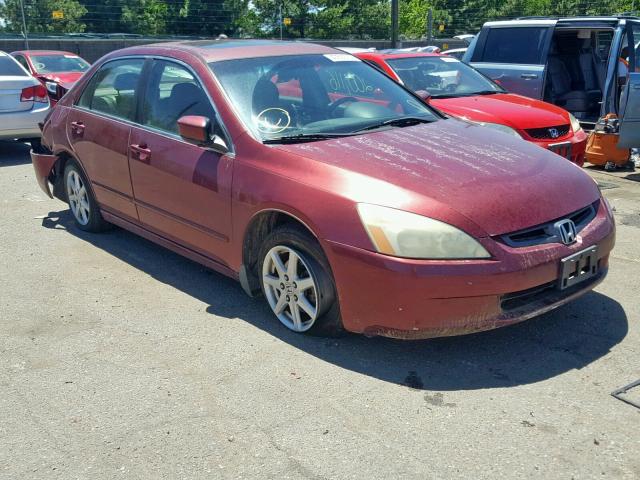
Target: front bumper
point(577, 144)
point(403, 298)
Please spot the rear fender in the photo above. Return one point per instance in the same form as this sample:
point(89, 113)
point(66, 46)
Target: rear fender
point(43, 164)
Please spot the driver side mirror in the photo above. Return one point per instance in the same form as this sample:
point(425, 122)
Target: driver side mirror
point(424, 95)
point(199, 131)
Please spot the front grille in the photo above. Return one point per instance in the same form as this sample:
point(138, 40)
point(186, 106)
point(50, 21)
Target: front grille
point(549, 133)
point(545, 233)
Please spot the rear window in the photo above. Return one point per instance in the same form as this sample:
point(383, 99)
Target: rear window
point(9, 67)
point(520, 45)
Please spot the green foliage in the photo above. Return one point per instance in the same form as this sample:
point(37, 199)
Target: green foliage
point(343, 19)
point(147, 17)
point(38, 16)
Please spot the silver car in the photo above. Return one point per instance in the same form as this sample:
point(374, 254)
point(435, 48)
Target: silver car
point(24, 102)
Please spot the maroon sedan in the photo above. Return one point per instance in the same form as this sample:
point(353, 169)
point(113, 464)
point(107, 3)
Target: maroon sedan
point(319, 182)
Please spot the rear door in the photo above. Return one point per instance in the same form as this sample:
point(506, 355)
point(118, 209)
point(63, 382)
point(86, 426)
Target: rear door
point(514, 54)
point(630, 103)
point(98, 129)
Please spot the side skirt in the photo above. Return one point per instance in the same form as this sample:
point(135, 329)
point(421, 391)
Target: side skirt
point(174, 247)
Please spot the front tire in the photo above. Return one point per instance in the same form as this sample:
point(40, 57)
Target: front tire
point(83, 205)
point(297, 282)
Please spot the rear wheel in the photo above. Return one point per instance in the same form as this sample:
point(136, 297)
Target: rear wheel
point(83, 205)
point(297, 282)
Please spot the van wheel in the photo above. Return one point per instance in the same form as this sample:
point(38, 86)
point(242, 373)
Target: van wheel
point(297, 282)
point(83, 205)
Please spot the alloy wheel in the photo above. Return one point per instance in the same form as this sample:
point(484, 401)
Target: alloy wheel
point(290, 288)
point(78, 197)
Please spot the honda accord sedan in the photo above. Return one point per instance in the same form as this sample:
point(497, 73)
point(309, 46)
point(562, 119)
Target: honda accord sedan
point(323, 185)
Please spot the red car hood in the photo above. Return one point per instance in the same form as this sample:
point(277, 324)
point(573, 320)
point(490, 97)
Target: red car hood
point(450, 168)
point(66, 79)
point(513, 110)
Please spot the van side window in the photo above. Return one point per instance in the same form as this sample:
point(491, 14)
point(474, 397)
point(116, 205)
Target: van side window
point(113, 89)
point(520, 45)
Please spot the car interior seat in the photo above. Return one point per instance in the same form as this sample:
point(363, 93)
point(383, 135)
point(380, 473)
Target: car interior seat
point(186, 98)
point(590, 74)
point(125, 84)
point(563, 92)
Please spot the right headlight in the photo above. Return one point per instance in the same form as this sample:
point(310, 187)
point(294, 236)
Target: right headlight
point(575, 124)
point(403, 234)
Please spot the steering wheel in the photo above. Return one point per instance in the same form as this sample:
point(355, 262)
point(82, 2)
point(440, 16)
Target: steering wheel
point(334, 105)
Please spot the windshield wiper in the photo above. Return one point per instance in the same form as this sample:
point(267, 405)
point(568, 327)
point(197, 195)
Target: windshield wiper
point(305, 137)
point(397, 122)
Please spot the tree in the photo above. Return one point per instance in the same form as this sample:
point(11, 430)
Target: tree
point(146, 17)
point(38, 15)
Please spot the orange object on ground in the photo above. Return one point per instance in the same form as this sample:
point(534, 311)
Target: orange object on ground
point(602, 145)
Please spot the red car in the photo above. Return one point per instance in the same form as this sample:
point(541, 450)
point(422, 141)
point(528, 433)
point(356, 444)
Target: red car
point(461, 91)
point(56, 70)
point(321, 183)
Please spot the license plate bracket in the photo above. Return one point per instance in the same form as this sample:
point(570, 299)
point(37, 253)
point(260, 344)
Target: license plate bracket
point(564, 149)
point(578, 267)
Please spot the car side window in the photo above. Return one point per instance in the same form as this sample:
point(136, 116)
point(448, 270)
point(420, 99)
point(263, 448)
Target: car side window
point(22, 61)
point(113, 89)
point(173, 92)
point(519, 45)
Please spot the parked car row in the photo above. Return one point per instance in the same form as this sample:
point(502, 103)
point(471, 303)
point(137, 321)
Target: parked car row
point(331, 188)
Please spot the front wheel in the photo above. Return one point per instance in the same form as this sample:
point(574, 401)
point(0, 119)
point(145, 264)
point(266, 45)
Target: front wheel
point(297, 283)
point(82, 203)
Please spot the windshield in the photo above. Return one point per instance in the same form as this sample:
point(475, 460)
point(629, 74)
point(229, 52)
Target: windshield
point(442, 76)
point(9, 67)
point(58, 63)
point(308, 95)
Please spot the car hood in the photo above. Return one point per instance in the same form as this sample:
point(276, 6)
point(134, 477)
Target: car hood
point(66, 79)
point(498, 182)
point(513, 110)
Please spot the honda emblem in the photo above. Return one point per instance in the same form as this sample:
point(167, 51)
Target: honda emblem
point(566, 231)
point(554, 132)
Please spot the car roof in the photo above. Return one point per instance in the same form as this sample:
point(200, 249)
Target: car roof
point(230, 49)
point(387, 56)
point(43, 52)
point(532, 20)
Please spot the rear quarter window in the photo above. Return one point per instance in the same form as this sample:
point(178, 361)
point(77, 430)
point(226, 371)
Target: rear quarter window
point(518, 45)
point(9, 67)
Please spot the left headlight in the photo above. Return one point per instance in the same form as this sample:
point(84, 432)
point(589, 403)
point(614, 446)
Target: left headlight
point(52, 87)
point(403, 234)
point(575, 124)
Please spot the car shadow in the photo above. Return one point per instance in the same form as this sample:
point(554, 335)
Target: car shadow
point(14, 153)
point(568, 338)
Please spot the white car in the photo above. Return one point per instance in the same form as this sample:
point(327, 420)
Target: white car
point(24, 102)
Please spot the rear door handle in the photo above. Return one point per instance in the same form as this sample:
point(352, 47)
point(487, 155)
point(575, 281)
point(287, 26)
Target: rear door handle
point(141, 152)
point(529, 76)
point(77, 128)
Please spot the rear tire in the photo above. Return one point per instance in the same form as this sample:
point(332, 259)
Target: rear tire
point(84, 208)
point(297, 283)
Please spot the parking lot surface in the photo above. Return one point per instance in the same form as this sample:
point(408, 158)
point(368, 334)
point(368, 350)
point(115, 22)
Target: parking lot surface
point(120, 359)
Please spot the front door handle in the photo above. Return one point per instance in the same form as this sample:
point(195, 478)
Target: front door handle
point(141, 152)
point(529, 76)
point(77, 128)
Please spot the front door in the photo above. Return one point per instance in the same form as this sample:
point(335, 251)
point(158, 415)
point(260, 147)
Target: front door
point(183, 192)
point(514, 56)
point(98, 128)
point(630, 102)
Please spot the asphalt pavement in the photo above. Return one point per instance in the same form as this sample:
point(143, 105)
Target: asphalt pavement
point(120, 359)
